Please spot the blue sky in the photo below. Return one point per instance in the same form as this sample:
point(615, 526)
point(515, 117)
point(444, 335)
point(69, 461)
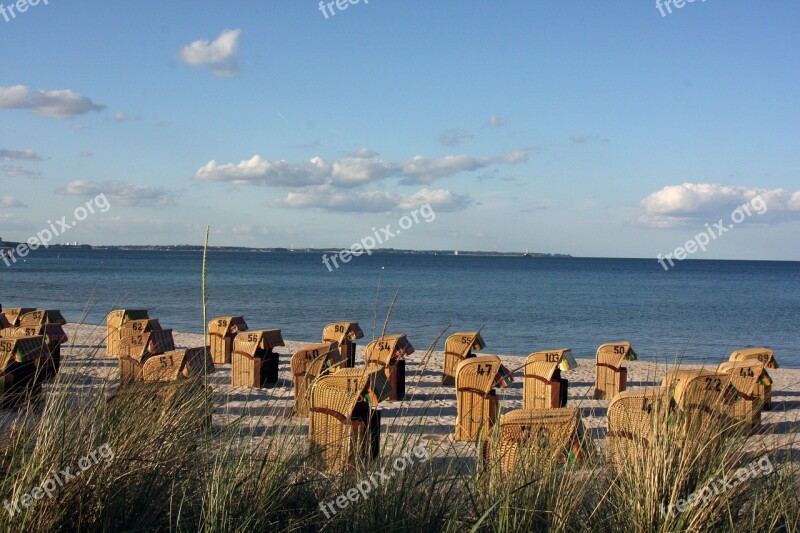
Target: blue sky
point(589, 128)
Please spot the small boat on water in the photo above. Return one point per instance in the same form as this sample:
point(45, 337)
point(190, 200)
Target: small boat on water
point(526, 254)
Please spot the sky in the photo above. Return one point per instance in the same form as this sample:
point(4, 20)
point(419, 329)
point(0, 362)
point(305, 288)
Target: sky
point(587, 128)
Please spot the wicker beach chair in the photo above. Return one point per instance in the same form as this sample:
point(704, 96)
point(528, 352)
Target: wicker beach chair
point(221, 331)
point(20, 364)
point(543, 387)
point(612, 377)
point(751, 379)
point(344, 424)
point(13, 314)
point(535, 437)
point(636, 418)
point(254, 362)
point(178, 365)
point(134, 350)
point(309, 363)
point(114, 321)
point(764, 355)
point(457, 348)
point(54, 337)
point(344, 333)
point(388, 354)
point(41, 317)
point(476, 400)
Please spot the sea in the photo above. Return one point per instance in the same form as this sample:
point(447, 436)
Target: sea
point(698, 311)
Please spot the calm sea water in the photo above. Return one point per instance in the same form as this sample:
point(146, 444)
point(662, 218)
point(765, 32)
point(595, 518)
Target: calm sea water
point(700, 309)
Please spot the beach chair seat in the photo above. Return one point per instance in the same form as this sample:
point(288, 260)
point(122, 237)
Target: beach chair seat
point(535, 437)
point(306, 365)
point(476, 400)
point(114, 321)
point(763, 355)
point(134, 350)
point(612, 377)
point(636, 419)
point(543, 387)
point(458, 347)
point(20, 369)
point(41, 317)
point(221, 331)
point(13, 314)
point(344, 333)
point(388, 354)
point(254, 362)
point(751, 379)
point(344, 422)
point(54, 337)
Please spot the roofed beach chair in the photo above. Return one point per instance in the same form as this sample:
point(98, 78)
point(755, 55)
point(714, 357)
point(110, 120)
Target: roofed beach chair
point(135, 349)
point(344, 424)
point(54, 337)
point(457, 348)
point(309, 363)
point(636, 418)
point(612, 377)
point(221, 331)
point(751, 379)
point(476, 400)
point(542, 386)
point(537, 437)
point(13, 314)
point(40, 317)
point(388, 354)
point(20, 364)
point(114, 321)
point(254, 361)
point(344, 333)
point(763, 355)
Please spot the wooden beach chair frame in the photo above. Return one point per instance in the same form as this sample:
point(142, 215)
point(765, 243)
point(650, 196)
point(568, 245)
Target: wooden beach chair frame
point(134, 350)
point(54, 336)
point(254, 362)
point(114, 322)
point(344, 333)
point(13, 314)
point(542, 386)
point(477, 404)
point(221, 332)
point(41, 317)
point(458, 347)
point(751, 379)
point(764, 355)
point(178, 365)
point(611, 376)
point(344, 422)
point(20, 369)
point(388, 354)
point(636, 420)
point(308, 364)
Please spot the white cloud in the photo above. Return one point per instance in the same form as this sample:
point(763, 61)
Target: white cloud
point(119, 116)
point(258, 171)
point(19, 155)
point(13, 171)
point(676, 205)
point(8, 201)
point(60, 104)
point(423, 170)
point(219, 55)
point(326, 198)
point(120, 193)
point(454, 137)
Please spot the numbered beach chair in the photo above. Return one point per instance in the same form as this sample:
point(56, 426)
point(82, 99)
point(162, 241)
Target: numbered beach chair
point(254, 361)
point(41, 317)
point(763, 355)
point(636, 419)
point(114, 321)
point(476, 400)
point(54, 337)
point(20, 361)
point(344, 424)
point(751, 379)
point(612, 377)
point(309, 363)
point(178, 365)
point(388, 354)
point(221, 331)
point(536, 437)
point(13, 314)
point(135, 349)
point(458, 347)
point(542, 386)
point(344, 333)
